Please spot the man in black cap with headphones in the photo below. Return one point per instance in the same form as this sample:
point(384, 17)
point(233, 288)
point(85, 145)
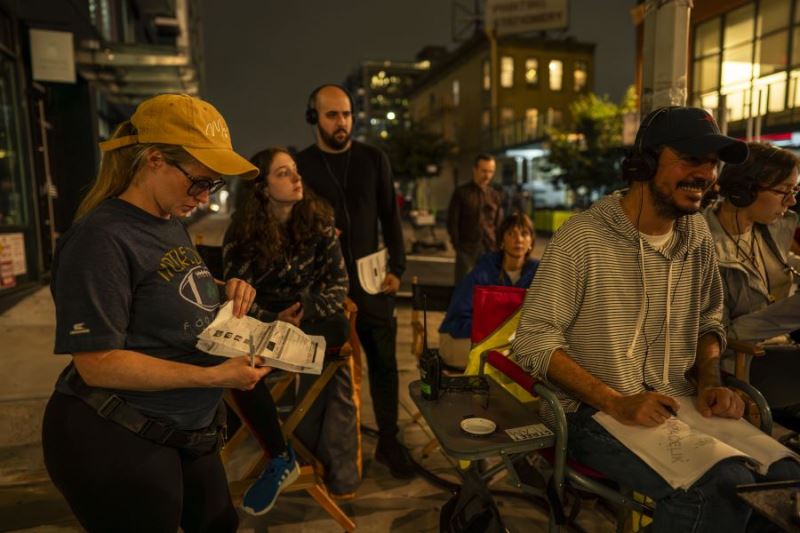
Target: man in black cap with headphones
point(357, 180)
point(627, 300)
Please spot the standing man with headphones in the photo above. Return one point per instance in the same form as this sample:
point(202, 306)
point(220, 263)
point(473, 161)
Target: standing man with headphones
point(357, 180)
point(627, 300)
point(753, 230)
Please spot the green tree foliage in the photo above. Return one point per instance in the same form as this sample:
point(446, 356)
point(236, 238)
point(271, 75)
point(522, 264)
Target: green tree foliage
point(589, 155)
point(415, 152)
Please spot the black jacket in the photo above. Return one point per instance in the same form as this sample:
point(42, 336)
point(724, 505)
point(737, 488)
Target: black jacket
point(358, 184)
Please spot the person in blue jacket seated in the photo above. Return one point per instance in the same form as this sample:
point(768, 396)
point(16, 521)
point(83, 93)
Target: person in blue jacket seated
point(511, 266)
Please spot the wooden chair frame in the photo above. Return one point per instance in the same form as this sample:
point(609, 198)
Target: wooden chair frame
point(312, 471)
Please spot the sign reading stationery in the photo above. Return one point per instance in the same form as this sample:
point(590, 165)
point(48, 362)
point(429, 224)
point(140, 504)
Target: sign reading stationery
point(507, 17)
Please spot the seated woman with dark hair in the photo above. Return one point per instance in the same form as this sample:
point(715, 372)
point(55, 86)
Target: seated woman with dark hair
point(284, 243)
point(753, 230)
point(511, 267)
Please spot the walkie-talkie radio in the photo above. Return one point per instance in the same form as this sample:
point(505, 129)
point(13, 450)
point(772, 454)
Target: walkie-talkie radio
point(430, 364)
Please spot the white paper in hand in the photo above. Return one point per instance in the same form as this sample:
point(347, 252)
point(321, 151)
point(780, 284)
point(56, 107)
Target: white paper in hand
point(372, 270)
point(280, 344)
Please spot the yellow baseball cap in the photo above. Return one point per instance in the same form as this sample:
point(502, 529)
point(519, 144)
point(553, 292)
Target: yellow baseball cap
point(191, 123)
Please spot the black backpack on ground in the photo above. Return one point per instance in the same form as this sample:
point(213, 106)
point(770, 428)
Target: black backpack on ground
point(470, 510)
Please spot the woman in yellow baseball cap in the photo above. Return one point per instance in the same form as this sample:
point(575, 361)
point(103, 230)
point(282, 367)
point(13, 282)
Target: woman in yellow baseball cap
point(131, 433)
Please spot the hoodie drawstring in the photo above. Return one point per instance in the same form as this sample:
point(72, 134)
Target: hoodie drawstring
point(640, 320)
point(642, 312)
point(665, 369)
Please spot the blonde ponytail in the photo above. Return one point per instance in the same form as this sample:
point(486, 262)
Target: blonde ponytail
point(118, 168)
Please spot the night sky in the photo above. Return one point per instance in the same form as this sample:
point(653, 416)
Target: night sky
point(263, 57)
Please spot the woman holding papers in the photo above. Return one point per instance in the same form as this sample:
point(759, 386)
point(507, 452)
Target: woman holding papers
point(753, 229)
point(512, 266)
point(285, 244)
point(131, 433)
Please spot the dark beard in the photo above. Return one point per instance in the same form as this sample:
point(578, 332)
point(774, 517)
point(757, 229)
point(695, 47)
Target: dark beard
point(331, 142)
point(665, 206)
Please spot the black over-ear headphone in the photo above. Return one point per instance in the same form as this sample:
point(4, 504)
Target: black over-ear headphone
point(312, 116)
point(641, 164)
point(743, 190)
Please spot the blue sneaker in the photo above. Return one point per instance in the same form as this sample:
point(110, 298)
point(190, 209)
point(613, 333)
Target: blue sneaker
point(279, 474)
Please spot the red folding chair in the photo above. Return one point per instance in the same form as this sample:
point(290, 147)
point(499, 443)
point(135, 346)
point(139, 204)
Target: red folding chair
point(492, 305)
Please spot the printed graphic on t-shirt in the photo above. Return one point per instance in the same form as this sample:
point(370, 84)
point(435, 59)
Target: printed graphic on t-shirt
point(197, 286)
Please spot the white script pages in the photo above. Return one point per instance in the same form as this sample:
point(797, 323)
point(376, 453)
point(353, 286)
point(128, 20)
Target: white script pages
point(683, 448)
point(281, 344)
point(372, 270)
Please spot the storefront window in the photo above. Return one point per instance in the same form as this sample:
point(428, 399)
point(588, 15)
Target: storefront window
point(735, 104)
point(749, 65)
point(771, 53)
point(709, 101)
point(12, 199)
point(794, 88)
point(796, 45)
point(739, 26)
point(706, 74)
point(737, 64)
point(772, 15)
point(706, 38)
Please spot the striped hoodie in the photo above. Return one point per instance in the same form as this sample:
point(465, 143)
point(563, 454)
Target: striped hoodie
point(624, 311)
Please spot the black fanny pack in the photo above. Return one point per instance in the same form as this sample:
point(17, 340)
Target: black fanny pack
point(113, 408)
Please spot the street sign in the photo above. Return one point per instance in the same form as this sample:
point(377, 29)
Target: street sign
point(507, 17)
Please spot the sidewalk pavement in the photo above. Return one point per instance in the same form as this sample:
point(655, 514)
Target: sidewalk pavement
point(29, 501)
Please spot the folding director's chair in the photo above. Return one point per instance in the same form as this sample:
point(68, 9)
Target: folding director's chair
point(312, 471)
point(581, 477)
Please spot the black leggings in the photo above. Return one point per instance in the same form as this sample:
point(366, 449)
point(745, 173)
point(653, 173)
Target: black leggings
point(257, 406)
point(116, 481)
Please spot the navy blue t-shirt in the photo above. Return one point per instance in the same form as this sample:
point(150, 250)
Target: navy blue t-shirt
point(125, 279)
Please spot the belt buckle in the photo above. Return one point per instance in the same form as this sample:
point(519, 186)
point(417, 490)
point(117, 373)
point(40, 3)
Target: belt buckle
point(162, 434)
point(109, 406)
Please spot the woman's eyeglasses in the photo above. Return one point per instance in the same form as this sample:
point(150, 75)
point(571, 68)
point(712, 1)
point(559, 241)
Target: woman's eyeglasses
point(199, 185)
point(782, 192)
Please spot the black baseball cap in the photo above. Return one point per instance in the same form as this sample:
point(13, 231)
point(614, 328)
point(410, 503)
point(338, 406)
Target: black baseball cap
point(691, 131)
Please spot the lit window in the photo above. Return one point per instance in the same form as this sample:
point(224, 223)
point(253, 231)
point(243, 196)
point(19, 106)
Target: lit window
point(580, 76)
point(486, 119)
point(739, 26)
point(706, 38)
point(531, 122)
point(532, 71)
point(772, 15)
point(507, 125)
point(556, 72)
point(506, 71)
point(555, 117)
point(456, 92)
point(487, 75)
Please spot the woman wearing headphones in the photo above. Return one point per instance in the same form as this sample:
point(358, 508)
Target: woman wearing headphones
point(753, 229)
point(285, 244)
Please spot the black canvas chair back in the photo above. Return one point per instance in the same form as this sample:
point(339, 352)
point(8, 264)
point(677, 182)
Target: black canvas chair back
point(437, 296)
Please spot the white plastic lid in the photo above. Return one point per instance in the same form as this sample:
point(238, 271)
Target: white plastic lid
point(478, 426)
